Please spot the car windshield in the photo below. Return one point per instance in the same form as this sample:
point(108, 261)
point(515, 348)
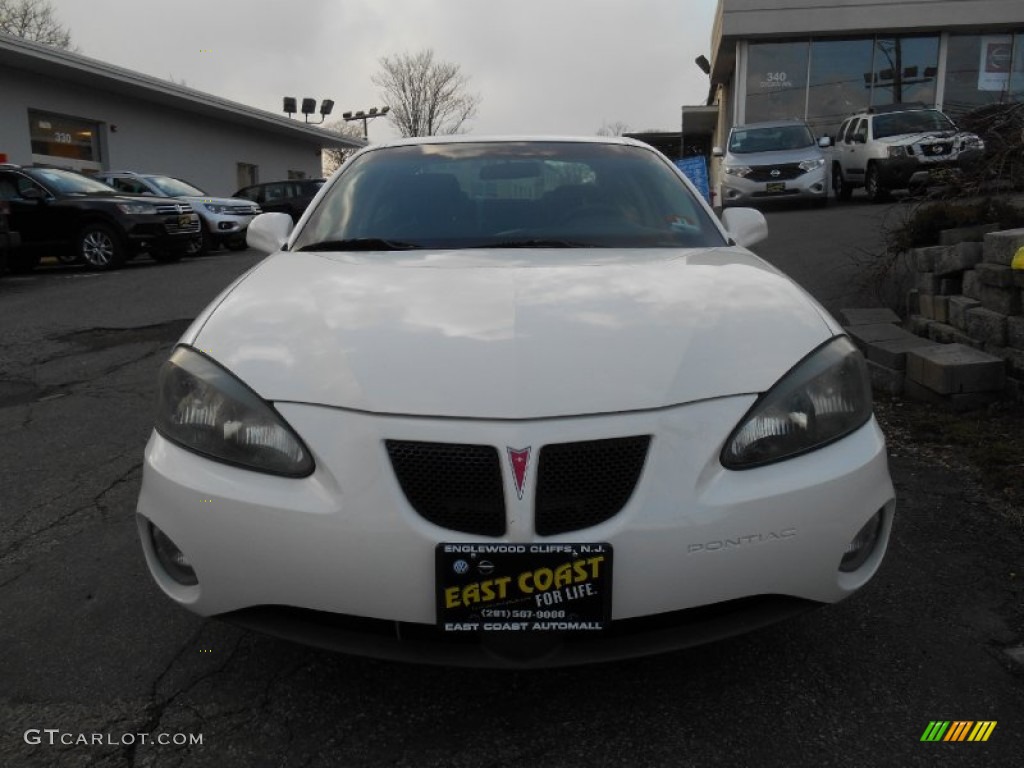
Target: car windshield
point(508, 195)
point(69, 183)
point(918, 121)
point(744, 141)
point(175, 187)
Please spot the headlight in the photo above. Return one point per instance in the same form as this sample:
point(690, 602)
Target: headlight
point(204, 408)
point(137, 209)
point(823, 398)
point(215, 208)
point(736, 170)
point(897, 152)
point(810, 165)
point(972, 141)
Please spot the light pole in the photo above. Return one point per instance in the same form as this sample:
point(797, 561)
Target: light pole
point(365, 116)
point(308, 108)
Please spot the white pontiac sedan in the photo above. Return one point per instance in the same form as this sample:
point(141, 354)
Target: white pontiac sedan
point(512, 402)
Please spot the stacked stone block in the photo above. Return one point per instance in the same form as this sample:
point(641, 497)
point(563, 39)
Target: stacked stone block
point(969, 293)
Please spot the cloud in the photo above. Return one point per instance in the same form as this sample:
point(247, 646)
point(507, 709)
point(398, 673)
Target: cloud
point(541, 66)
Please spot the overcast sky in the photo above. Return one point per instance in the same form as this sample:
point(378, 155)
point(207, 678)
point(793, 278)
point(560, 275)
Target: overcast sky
point(540, 66)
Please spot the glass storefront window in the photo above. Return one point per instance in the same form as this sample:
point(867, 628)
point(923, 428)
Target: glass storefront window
point(68, 138)
point(980, 70)
point(776, 81)
point(905, 70)
point(840, 83)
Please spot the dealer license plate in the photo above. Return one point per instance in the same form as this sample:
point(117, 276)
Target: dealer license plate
point(776, 186)
point(524, 587)
point(185, 220)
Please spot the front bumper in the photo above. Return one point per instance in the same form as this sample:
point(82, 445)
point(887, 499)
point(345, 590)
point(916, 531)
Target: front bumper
point(164, 233)
point(739, 190)
point(905, 172)
point(226, 226)
point(332, 558)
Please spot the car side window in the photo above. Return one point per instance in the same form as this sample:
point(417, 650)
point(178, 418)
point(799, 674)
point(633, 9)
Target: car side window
point(274, 192)
point(844, 132)
point(860, 132)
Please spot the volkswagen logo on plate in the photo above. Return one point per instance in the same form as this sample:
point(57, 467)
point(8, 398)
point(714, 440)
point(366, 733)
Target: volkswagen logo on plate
point(460, 566)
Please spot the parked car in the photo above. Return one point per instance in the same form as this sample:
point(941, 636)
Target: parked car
point(897, 147)
point(512, 402)
point(9, 241)
point(291, 197)
point(778, 160)
point(66, 214)
point(224, 218)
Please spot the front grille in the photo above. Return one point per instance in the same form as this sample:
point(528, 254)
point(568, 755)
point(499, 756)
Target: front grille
point(173, 208)
point(174, 228)
point(936, 149)
point(452, 485)
point(585, 483)
point(244, 210)
point(786, 171)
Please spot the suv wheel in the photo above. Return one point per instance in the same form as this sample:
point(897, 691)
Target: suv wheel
point(873, 185)
point(840, 186)
point(100, 247)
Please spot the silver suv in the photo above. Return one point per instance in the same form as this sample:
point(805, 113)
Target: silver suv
point(774, 160)
point(898, 147)
point(224, 219)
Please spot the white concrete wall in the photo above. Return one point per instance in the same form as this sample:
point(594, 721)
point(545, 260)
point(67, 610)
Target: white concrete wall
point(151, 137)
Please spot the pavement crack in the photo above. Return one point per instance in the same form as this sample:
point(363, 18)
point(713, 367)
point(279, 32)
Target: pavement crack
point(94, 503)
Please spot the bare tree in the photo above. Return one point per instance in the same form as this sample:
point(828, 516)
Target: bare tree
point(613, 129)
point(333, 158)
point(33, 20)
point(427, 97)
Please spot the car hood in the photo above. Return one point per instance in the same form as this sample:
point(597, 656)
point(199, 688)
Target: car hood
point(511, 334)
point(913, 138)
point(777, 157)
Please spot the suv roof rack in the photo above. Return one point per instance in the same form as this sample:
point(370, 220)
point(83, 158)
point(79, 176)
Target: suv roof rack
point(897, 107)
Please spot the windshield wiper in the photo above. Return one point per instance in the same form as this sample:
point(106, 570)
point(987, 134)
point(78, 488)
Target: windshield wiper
point(360, 244)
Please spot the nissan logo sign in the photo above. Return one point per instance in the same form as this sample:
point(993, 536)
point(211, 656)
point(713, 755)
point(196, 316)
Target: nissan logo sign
point(776, 173)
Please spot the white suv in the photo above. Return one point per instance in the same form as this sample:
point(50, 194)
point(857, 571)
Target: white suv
point(224, 219)
point(773, 160)
point(898, 147)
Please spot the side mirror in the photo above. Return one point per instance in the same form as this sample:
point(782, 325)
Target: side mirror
point(747, 226)
point(717, 152)
point(824, 142)
point(268, 232)
point(33, 193)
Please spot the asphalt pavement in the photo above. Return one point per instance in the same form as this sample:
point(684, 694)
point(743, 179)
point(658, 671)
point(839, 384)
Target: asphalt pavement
point(98, 666)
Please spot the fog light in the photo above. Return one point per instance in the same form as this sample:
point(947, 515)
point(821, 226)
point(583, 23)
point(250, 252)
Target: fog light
point(863, 544)
point(171, 558)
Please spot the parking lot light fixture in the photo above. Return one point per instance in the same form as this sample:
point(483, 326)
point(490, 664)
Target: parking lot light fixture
point(366, 116)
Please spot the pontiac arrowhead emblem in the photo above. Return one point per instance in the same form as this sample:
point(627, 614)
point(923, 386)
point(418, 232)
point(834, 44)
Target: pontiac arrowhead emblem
point(519, 458)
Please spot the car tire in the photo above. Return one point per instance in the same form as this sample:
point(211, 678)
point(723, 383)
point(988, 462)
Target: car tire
point(873, 185)
point(21, 262)
point(840, 187)
point(100, 247)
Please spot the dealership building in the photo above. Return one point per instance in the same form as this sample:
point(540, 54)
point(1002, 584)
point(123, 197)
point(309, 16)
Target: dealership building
point(823, 60)
point(70, 111)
